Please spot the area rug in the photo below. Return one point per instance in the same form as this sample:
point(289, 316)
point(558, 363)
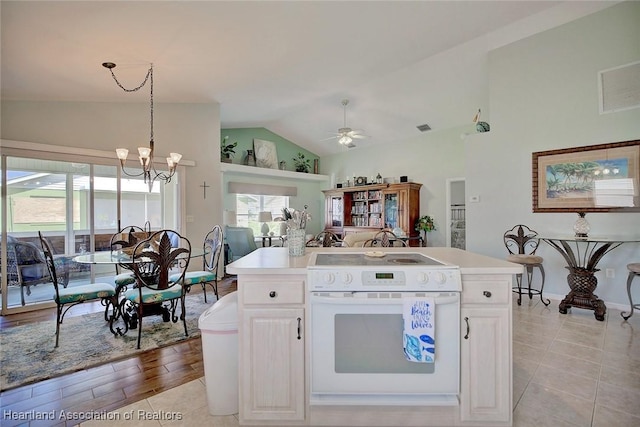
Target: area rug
point(27, 352)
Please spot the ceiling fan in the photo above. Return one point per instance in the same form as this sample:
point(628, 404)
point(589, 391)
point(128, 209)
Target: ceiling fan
point(345, 134)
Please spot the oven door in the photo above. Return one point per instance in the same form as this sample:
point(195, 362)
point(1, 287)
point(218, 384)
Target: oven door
point(357, 354)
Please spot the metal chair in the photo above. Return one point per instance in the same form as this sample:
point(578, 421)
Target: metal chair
point(212, 247)
point(385, 239)
point(74, 295)
point(325, 239)
point(152, 260)
point(126, 238)
point(634, 270)
point(522, 243)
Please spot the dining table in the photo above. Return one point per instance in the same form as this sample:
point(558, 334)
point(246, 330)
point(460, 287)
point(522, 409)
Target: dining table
point(120, 310)
point(582, 255)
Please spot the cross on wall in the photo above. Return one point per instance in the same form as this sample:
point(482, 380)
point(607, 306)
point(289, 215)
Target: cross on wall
point(204, 189)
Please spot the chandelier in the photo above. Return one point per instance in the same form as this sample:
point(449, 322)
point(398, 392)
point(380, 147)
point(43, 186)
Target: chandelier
point(145, 154)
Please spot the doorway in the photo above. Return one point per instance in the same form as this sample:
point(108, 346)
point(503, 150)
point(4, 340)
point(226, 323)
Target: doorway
point(456, 213)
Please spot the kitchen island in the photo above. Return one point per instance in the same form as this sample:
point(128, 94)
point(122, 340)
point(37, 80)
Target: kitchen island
point(275, 334)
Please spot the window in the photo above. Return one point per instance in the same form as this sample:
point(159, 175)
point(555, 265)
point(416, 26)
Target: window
point(248, 206)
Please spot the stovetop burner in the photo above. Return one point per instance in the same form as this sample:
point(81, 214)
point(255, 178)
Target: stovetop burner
point(375, 259)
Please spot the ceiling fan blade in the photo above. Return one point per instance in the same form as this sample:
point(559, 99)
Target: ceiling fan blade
point(359, 136)
point(350, 145)
point(331, 137)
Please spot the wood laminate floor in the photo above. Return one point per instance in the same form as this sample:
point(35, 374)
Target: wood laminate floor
point(106, 387)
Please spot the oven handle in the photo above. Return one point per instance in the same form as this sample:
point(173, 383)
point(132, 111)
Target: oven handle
point(360, 298)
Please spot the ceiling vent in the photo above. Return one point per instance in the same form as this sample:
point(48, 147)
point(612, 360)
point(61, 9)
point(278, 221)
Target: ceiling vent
point(423, 128)
point(619, 88)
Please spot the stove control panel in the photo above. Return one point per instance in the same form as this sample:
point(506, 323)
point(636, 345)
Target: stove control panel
point(438, 279)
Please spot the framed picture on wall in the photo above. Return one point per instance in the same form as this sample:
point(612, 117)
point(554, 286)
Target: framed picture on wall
point(593, 178)
point(266, 154)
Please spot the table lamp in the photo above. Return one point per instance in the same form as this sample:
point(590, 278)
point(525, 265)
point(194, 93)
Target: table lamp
point(264, 218)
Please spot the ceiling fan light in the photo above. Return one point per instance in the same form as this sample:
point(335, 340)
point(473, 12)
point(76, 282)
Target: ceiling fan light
point(344, 140)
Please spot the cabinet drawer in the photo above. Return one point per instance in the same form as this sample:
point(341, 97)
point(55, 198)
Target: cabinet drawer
point(281, 292)
point(485, 292)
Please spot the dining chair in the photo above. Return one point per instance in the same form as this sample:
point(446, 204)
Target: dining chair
point(522, 243)
point(157, 291)
point(325, 239)
point(74, 295)
point(126, 238)
point(385, 239)
point(212, 247)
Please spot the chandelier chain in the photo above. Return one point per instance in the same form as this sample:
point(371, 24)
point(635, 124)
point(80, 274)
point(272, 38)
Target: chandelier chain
point(148, 77)
point(149, 74)
point(149, 171)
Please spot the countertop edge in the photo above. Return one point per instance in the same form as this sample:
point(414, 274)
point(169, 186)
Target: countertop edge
point(273, 261)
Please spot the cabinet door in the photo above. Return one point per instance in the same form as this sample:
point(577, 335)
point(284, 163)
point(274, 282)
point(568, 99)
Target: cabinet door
point(485, 372)
point(334, 218)
point(272, 360)
point(396, 210)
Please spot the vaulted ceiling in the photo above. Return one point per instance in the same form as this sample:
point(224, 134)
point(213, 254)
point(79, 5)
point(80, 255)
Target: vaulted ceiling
point(285, 66)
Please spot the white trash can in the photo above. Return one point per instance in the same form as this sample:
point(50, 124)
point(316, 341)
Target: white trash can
point(219, 328)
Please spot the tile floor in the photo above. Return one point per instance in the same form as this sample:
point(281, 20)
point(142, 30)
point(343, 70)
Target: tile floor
point(569, 370)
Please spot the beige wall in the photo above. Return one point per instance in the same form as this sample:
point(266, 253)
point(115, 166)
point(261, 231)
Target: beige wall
point(190, 129)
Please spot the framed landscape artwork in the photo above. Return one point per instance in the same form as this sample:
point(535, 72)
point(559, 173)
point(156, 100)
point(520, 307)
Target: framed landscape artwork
point(594, 178)
point(266, 154)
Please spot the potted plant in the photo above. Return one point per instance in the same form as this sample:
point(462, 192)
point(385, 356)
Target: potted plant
point(301, 163)
point(425, 224)
point(227, 150)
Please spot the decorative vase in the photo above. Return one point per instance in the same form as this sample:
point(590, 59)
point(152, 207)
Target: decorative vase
point(296, 242)
point(250, 160)
point(226, 158)
point(581, 227)
point(283, 165)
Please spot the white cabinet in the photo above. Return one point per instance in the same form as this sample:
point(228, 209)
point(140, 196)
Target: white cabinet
point(271, 345)
point(486, 370)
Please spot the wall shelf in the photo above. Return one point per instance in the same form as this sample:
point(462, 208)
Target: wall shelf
point(276, 173)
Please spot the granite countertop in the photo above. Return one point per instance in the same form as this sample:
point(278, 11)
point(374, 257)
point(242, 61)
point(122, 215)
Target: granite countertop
point(277, 260)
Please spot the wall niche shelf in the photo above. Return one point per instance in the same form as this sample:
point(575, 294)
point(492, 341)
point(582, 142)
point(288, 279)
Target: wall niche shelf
point(265, 172)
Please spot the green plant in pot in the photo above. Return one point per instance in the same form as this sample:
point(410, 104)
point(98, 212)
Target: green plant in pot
point(425, 224)
point(302, 164)
point(227, 150)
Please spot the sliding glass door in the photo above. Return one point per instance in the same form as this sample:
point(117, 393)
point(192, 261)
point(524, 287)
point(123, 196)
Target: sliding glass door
point(77, 206)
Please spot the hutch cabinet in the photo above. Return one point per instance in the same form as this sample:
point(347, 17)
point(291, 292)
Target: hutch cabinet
point(373, 207)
